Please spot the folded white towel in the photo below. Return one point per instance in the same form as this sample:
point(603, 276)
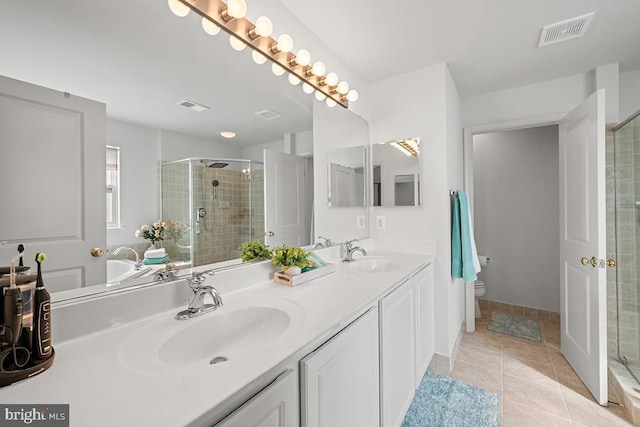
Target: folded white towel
point(155, 253)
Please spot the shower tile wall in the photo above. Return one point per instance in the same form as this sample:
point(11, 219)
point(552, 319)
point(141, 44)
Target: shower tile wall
point(228, 220)
point(622, 301)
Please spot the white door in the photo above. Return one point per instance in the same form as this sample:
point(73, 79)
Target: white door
point(582, 235)
point(284, 199)
point(343, 185)
point(52, 160)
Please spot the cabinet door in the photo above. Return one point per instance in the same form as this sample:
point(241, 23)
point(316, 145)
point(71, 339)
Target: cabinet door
point(426, 320)
point(398, 352)
point(339, 384)
point(275, 406)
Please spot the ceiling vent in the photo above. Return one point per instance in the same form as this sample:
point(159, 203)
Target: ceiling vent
point(565, 30)
point(268, 114)
point(193, 105)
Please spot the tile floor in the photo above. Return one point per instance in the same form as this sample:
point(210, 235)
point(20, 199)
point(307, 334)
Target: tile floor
point(534, 382)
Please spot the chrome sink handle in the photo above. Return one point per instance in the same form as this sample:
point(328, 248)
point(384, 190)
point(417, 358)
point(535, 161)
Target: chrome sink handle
point(197, 278)
point(349, 250)
point(196, 304)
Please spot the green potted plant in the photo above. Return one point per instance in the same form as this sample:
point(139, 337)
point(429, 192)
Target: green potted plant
point(254, 251)
point(291, 259)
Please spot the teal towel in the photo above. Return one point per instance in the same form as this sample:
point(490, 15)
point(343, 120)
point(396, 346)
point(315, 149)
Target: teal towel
point(149, 261)
point(461, 252)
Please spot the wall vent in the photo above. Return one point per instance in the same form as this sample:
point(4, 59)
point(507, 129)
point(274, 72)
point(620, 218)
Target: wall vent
point(268, 114)
point(193, 105)
point(565, 30)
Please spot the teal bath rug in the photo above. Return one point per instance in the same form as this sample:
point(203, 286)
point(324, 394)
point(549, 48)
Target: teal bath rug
point(445, 402)
point(515, 326)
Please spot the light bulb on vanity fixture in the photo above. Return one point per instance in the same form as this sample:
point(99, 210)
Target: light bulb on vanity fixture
point(277, 69)
point(237, 44)
point(178, 8)
point(258, 58)
point(263, 28)
point(236, 9)
point(230, 16)
point(209, 27)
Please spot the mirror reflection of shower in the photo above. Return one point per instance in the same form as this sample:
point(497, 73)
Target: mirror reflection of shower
point(221, 205)
point(215, 184)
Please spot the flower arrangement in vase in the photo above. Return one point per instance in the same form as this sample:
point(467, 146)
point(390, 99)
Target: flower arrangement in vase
point(291, 259)
point(153, 233)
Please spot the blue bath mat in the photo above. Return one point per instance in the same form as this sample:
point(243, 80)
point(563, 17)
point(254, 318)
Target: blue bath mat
point(515, 326)
point(445, 402)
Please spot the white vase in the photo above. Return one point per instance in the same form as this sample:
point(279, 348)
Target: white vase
point(293, 271)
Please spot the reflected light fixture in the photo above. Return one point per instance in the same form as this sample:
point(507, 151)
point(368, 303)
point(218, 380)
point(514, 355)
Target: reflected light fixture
point(209, 27)
point(228, 134)
point(408, 147)
point(230, 17)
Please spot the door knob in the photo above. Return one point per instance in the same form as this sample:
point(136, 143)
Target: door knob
point(97, 252)
point(269, 234)
point(611, 263)
point(593, 261)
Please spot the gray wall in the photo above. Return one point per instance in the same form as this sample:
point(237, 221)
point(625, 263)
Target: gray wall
point(516, 215)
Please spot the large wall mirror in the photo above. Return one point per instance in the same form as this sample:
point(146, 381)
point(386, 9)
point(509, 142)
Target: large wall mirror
point(146, 69)
point(347, 183)
point(396, 173)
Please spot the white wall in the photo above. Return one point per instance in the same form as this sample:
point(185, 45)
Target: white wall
point(629, 93)
point(139, 158)
point(176, 146)
point(538, 100)
point(516, 215)
point(425, 104)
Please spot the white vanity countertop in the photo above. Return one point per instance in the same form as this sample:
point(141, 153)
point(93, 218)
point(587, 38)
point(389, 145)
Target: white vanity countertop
point(108, 382)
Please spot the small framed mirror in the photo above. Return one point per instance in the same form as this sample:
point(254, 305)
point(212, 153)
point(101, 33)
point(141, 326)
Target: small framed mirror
point(347, 181)
point(396, 173)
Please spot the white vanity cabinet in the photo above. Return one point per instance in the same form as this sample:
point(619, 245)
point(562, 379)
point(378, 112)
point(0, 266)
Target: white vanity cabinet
point(339, 381)
point(275, 406)
point(397, 352)
point(406, 343)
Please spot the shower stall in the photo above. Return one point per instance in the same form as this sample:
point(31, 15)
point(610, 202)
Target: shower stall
point(211, 207)
point(623, 241)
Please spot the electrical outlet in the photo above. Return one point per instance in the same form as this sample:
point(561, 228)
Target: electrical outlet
point(381, 223)
point(360, 222)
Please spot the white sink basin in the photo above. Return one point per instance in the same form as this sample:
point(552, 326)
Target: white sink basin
point(241, 329)
point(225, 333)
point(121, 269)
point(371, 264)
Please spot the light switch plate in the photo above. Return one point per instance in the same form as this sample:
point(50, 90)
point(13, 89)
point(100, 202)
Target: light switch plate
point(360, 222)
point(381, 223)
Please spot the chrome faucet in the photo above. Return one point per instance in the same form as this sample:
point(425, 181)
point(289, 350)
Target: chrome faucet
point(196, 305)
point(127, 248)
point(348, 250)
point(169, 273)
point(326, 244)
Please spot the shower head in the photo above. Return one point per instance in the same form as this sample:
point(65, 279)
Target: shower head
point(215, 182)
point(214, 164)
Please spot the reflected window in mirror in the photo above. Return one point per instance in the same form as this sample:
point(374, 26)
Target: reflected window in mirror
point(113, 186)
point(396, 173)
point(347, 181)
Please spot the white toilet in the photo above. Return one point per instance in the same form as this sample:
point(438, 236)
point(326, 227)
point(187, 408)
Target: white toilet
point(480, 291)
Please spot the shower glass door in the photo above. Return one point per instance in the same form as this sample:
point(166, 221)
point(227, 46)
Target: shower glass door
point(627, 240)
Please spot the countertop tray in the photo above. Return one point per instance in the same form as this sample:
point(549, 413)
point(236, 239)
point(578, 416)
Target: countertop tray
point(298, 279)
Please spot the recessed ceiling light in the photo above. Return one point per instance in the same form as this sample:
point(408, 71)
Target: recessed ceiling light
point(228, 134)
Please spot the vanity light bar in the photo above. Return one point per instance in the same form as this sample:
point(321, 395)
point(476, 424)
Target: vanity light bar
point(244, 31)
point(410, 146)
